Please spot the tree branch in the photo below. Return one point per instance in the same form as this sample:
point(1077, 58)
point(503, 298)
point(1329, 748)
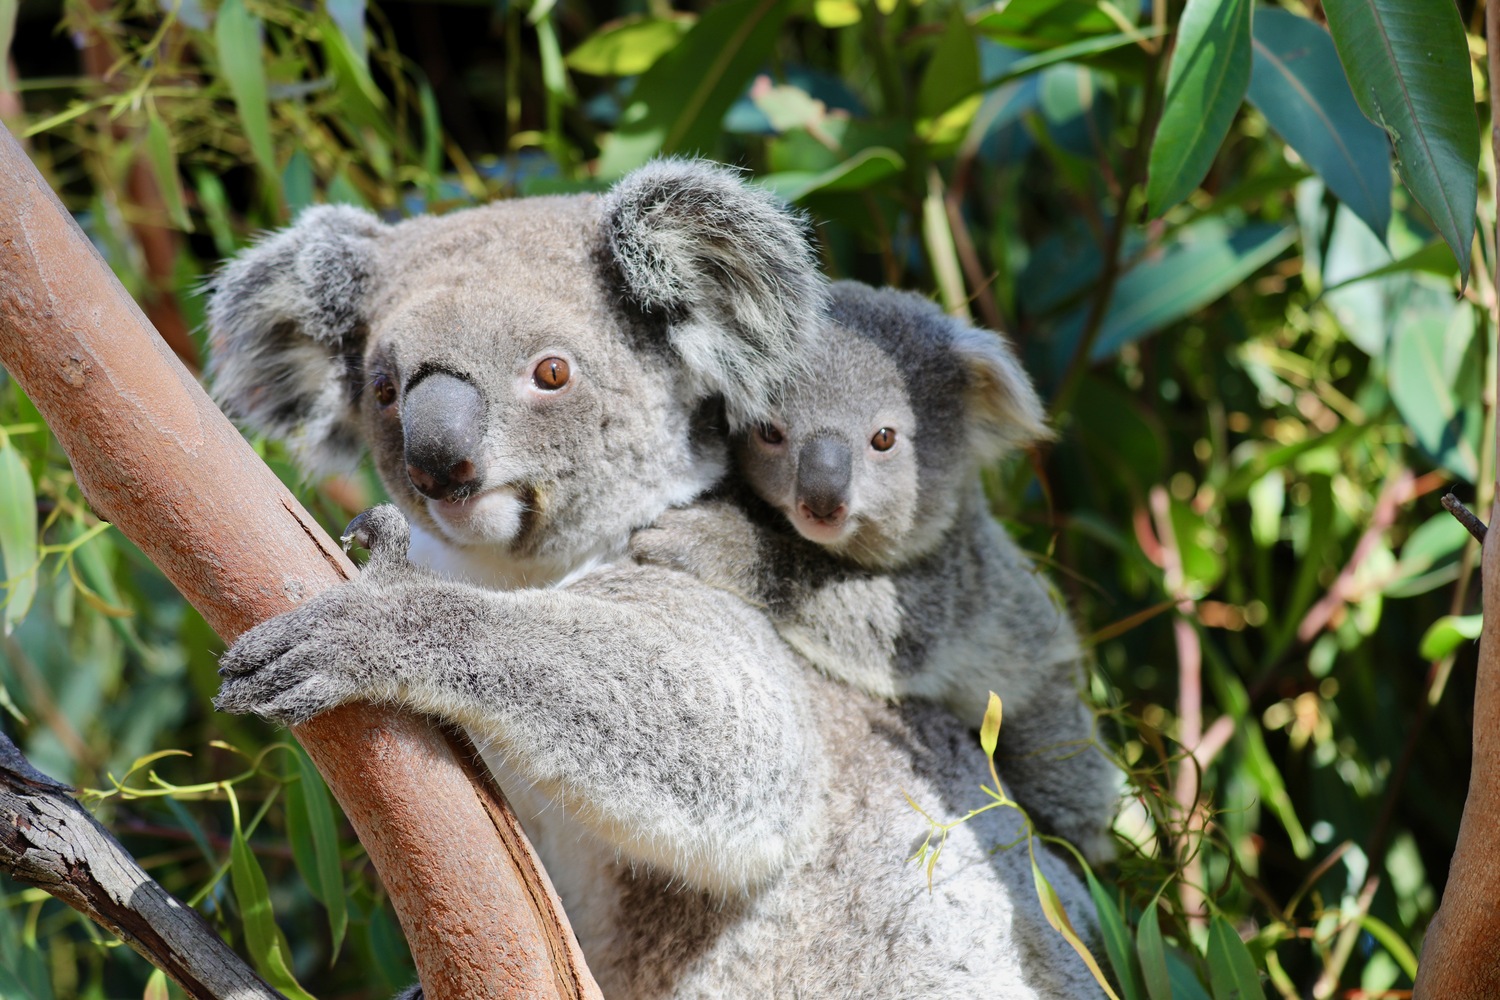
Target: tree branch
point(152, 454)
point(50, 841)
point(1461, 952)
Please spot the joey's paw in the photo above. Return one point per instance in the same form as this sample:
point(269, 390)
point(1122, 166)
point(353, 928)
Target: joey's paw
point(306, 661)
point(383, 531)
point(677, 540)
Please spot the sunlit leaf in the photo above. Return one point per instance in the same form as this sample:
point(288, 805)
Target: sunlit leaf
point(318, 809)
point(867, 167)
point(1206, 260)
point(262, 938)
point(1034, 25)
point(164, 164)
point(1435, 390)
point(989, 729)
point(1299, 85)
point(1057, 916)
point(1448, 633)
point(629, 46)
point(1434, 258)
point(237, 36)
point(18, 534)
point(156, 986)
point(679, 103)
point(1408, 65)
point(1206, 81)
point(349, 15)
point(953, 71)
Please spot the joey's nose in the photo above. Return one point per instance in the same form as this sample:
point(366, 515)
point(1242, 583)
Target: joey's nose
point(824, 470)
point(442, 420)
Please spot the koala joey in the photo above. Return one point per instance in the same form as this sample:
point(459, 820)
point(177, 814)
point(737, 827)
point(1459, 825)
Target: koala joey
point(535, 380)
point(896, 578)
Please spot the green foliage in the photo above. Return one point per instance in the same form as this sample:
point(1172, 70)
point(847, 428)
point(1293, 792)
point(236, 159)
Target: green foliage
point(1254, 344)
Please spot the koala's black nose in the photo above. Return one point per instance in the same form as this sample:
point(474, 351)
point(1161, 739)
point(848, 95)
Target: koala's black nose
point(824, 469)
point(442, 419)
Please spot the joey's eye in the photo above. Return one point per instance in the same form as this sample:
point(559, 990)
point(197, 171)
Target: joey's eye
point(769, 434)
point(550, 374)
point(884, 439)
point(385, 390)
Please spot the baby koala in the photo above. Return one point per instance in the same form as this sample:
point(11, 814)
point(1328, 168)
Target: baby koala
point(859, 522)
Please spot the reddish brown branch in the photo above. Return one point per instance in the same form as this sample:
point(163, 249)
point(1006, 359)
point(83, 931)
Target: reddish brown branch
point(1461, 953)
point(152, 454)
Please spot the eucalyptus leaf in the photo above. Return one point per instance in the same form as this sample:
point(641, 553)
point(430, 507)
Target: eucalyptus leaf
point(18, 534)
point(1408, 64)
point(678, 104)
point(164, 164)
point(1035, 25)
point(1436, 392)
point(1231, 969)
point(1116, 940)
point(629, 46)
point(1206, 81)
point(237, 39)
point(1448, 633)
point(860, 171)
point(1299, 85)
point(952, 73)
point(1151, 951)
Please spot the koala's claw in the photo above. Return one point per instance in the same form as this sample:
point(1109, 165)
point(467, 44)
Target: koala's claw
point(383, 531)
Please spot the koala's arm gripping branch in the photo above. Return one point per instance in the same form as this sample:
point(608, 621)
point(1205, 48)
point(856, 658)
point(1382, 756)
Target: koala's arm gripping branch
point(153, 455)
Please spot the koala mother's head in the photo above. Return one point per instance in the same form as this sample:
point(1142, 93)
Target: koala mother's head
point(534, 378)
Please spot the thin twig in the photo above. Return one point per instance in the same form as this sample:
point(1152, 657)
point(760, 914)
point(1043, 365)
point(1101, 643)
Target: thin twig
point(1466, 517)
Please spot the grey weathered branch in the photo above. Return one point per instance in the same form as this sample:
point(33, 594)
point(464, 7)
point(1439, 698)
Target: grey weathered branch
point(50, 841)
point(1466, 517)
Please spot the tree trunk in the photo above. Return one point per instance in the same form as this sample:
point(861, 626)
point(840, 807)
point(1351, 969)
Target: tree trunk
point(154, 456)
point(1461, 953)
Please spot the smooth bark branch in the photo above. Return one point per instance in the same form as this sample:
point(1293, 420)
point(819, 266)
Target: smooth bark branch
point(1461, 952)
point(153, 455)
point(50, 841)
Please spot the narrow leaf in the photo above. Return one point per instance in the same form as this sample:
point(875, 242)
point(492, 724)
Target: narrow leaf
point(860, 171)
point(1116, 939)
point(1034, 25)
point(164, 163)
point(1448, 633)
point(262, 940)
point(1298, 84)
point(329, 873)
point(1052, 909)
point(1153, 955)
point(1408, 65)
point(1206, 260)
point(349, 15)
point(1435, 394)
point(1206, 82)
point(678, 104)
point(18, 534)
point(953, 71)
point(237, 39)
point(629, 46)
point(1231, 969)
point(989, 729)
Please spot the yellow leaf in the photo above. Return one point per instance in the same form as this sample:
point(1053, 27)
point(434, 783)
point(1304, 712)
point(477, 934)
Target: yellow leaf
point(1052, 908)
point(989, 731)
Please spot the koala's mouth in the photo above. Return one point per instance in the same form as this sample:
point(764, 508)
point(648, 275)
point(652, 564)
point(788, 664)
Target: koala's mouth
point(832, 530)
point(500, 515)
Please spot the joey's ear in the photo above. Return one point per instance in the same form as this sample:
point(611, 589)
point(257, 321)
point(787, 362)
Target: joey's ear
point(1001, 406)
point(730, 267)
point(287, 324)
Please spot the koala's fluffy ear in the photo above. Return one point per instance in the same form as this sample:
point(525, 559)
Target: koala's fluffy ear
point(287, 323)
point(732, 269)
point(1004, 411)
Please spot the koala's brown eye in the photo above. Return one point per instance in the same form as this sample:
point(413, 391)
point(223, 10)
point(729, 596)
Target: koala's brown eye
point(769, 434)
point(884, 439)
point(550, 374)
point(385, 390)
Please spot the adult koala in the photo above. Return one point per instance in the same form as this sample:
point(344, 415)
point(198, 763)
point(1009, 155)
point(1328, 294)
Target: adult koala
point(535, 379)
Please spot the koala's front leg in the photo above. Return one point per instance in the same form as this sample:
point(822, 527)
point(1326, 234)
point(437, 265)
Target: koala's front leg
point(663, 716)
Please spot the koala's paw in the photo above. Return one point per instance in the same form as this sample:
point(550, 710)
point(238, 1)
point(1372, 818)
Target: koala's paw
point(308, 660)
point(383, 531)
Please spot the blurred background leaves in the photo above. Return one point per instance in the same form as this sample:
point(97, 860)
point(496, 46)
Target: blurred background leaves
point(1266, 360)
